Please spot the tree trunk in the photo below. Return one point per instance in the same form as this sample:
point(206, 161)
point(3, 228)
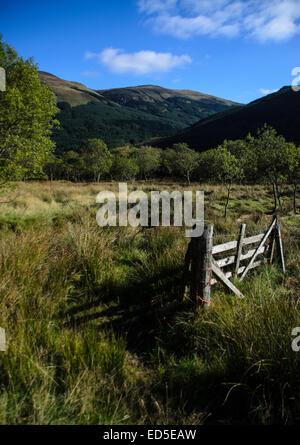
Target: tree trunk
point(188, 178)
point(275, 197)
point(227, 202)
point(278, 196)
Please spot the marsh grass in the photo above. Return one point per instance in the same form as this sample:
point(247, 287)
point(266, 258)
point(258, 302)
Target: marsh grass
point(98, 331)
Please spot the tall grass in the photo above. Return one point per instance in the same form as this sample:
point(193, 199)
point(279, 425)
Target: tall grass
point(238, 357)
point(98, 331)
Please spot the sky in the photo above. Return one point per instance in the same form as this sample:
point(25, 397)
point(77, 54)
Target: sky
point(234, 49)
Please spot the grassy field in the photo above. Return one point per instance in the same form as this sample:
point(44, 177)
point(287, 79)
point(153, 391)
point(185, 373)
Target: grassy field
point(98, 331)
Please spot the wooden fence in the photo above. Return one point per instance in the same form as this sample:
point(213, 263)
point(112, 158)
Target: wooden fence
point(204, 266)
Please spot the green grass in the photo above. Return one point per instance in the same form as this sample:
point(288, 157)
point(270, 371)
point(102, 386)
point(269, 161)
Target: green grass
point(98, 332)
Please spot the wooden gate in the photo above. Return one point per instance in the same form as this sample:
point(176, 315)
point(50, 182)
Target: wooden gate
point(204, 266)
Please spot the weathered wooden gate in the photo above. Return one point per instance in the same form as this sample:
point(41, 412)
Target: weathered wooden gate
point(203, 261)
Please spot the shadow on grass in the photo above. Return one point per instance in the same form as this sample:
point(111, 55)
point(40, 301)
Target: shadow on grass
point(136, 310)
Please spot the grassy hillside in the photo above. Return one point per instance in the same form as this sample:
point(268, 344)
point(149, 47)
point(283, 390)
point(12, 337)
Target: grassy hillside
point(281, 110)
point(73, 93)
point(125, 115)
point(98, 331)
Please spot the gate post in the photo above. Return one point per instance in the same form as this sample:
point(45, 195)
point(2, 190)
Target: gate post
point(201, 270)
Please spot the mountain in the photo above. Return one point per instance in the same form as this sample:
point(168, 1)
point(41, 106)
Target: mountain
point(281, 110)
point(125, 115)
point(181, 106)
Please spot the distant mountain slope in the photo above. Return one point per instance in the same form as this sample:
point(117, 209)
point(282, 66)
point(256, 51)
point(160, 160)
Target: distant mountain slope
point(182, 106)
point(280, 110)
point(125, 115)
point(73, 93)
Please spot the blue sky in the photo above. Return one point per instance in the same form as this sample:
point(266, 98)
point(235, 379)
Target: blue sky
point(235, 49)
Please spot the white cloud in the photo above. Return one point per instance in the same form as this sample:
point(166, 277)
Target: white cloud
point(263, 20)
point(266, 91)
point(150, 6)
point(184, 27)
point(142, 62)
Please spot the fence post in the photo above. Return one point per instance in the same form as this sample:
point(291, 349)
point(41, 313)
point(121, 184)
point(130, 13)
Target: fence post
point(201, 273)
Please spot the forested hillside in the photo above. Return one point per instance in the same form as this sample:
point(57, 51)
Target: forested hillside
point(281, 110)
point(125, 115)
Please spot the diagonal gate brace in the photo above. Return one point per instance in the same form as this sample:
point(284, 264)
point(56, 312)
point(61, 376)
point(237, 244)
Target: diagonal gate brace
point(217, 271)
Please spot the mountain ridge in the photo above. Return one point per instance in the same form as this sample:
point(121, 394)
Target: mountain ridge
point(125, 115)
